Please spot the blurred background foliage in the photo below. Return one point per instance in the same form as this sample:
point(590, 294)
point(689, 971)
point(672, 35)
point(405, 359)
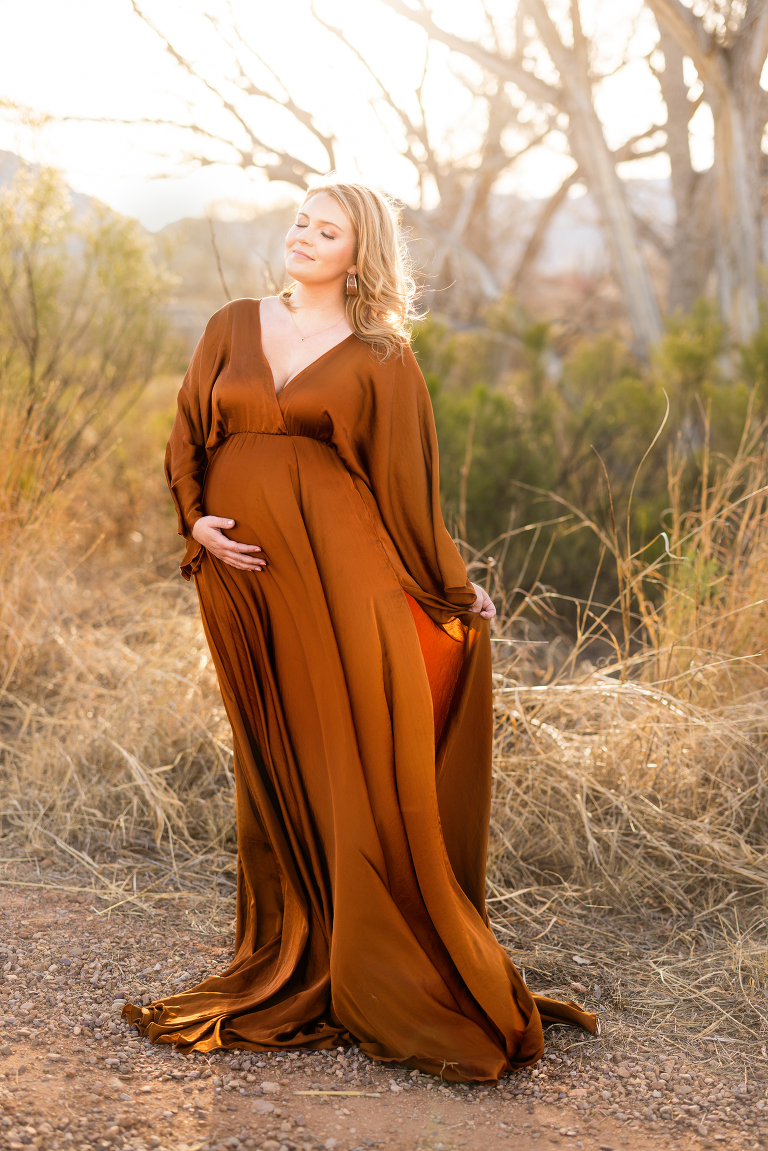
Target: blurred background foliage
point(82, 332)
point(533, 431)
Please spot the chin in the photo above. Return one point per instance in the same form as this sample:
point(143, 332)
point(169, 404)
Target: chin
point(299, 270)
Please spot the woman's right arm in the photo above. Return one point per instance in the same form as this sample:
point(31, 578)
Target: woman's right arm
point(186, 457)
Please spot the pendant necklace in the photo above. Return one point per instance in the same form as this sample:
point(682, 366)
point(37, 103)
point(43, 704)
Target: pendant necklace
point(312, 335)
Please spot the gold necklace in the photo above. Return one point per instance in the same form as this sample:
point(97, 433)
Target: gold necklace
point(312, 335)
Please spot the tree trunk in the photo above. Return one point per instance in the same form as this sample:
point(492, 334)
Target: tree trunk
point(730, 72)
point(588, 145)
point(693, 243)
point(739, 243)
point(596, 162)
point(594, 158)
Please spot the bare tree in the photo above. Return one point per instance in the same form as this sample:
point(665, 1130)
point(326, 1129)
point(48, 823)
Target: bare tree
point(728, 44)
point(572, 95)
point(460, 229)
point(248, 148)
point(456, 232)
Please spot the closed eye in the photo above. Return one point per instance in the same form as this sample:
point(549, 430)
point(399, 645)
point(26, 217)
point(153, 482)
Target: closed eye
point(300, 225)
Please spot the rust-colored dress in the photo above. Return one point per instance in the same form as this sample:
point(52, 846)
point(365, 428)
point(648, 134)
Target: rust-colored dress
point(358, 687)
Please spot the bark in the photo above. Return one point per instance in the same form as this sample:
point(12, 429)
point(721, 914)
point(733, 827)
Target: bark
point(729, 69)
point(693, 244)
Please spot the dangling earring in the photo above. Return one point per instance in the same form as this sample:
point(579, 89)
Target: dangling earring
point(351, 283)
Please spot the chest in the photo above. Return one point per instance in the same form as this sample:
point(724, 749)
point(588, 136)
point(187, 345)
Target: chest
point(287, 354)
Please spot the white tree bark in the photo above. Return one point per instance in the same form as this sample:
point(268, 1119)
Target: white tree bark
point(691, 256)
point(729, 69)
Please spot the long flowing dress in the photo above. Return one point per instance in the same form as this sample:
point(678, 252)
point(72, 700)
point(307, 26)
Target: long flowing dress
point(358, 687)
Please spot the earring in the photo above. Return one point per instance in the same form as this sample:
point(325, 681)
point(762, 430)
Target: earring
point(351, 283)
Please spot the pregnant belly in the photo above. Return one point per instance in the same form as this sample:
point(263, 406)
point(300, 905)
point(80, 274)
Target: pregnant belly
point(280, 488)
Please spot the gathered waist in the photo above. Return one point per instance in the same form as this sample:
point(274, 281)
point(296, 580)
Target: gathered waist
point(272, 435)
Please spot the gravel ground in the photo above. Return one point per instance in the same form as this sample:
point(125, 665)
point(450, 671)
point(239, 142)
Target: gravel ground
point(72, 1075)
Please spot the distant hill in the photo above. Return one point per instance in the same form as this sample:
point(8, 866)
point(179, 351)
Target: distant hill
point(251, 249)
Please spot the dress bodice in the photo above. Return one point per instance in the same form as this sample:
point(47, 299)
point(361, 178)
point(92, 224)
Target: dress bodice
point(375, 414)
point(244, 398)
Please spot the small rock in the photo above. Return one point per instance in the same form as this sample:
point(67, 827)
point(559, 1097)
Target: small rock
point(5, 1050)
point(273, 1145)
point(261, 1107)
point(579, 987)
point(270, 1088)
point(580, 960)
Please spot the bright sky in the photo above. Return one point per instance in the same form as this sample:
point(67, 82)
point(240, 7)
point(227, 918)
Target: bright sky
point(96, 58)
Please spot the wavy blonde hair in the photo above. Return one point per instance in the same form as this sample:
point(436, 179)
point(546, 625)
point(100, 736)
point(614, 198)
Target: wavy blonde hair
point(382, 311)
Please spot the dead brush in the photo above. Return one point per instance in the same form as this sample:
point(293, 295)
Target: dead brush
point(630, 811)
point(115, 747)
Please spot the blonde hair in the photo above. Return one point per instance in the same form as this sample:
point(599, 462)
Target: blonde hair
point(382, 311)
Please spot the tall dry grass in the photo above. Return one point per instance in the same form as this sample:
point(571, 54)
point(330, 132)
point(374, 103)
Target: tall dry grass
point(630, 813)
point(629, 816)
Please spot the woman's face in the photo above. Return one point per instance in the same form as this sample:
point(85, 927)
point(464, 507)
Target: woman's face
point(320, 247)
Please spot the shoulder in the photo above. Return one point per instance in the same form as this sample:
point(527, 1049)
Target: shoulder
point(399, 373)
point(235, 319)
point(397, 367)
point(245, 308)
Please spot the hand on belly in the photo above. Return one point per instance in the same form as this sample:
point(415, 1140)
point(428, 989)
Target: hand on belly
point(209, 531)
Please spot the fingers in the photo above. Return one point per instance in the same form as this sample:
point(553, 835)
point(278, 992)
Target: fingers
point(239, 556)
point(483, 605)
point(234, 545)
point(246, 557)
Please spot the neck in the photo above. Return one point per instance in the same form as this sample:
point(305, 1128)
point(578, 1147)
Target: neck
point(320, 299)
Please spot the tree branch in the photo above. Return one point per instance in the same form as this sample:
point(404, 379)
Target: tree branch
point(690, 33)
point(414, 131)
point(507, 69)
point(538, 235)
point(288, 168)
point(754, 32)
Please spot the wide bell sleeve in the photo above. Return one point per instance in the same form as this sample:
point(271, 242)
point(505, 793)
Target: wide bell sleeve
point(396, 447)
point(189, 448)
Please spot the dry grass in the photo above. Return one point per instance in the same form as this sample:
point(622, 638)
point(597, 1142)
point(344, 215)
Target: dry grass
point(629, 819)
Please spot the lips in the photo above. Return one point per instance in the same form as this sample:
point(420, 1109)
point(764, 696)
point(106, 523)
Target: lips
point(301, 255)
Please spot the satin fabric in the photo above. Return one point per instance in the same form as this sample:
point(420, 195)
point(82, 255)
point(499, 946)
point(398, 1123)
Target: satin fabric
point(358, 687)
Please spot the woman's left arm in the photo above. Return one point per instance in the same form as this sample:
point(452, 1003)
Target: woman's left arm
point(401, 461)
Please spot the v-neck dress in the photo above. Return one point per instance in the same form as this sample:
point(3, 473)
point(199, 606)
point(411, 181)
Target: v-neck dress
point(358, 687)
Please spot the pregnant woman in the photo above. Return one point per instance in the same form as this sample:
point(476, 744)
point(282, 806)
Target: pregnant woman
point(353, 657)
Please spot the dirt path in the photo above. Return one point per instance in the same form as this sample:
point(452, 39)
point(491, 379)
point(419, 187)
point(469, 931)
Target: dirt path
point(73, 1076)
